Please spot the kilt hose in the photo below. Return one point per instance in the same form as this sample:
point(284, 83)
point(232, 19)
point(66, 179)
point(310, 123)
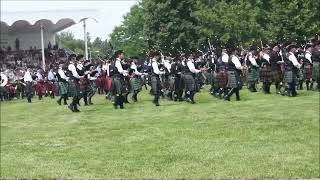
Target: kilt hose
point(62, 88)
point(74, 88)
point(307, 69)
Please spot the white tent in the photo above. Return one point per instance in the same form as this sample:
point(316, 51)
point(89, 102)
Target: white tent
point(37, 28)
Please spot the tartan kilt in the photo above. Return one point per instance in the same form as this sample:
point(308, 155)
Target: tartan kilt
point(307, 71)
point(40, 88)
point(222, 78)
point(63, 88)
point(85, 85)
point(289, 76)
point(300, 75)
point(52, 86)
point(315, 71)
point(73, 88)
point(210, 77)
point(29, 88)
point(232, 79)
point(155, 85)
point(276, 76)
point(92, 87)
point(107, 84)
point(189, 82)
point(266, 74)
point(117, 86)
point(253, 75)
point(135, 83)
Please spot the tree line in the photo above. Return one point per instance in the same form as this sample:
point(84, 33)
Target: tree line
point(175, 26)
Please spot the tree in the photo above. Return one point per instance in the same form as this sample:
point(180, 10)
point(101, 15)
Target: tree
point(129, 35)
point(170, 25)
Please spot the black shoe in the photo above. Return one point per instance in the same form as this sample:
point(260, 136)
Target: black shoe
point(59, 102)
point(115, 106)
point(65, 103)
point(121, 107)
point(86, 104)
point(76, 110)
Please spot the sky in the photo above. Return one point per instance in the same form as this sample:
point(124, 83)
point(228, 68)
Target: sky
point(108, 13)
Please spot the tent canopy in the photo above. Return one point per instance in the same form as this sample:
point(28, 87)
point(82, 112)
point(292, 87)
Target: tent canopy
point(52, 21)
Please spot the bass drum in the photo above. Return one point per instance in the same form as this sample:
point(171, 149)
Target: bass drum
point(3, 80)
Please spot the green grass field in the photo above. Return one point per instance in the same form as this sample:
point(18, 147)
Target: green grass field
point(262, 136)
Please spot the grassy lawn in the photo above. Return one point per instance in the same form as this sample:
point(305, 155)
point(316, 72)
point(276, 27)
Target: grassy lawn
point(262, 136)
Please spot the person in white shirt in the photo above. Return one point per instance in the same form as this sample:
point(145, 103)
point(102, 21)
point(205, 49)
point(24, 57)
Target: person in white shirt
point(234, 70)
point(51, 83)
point(135, 80)
point(155, 78)
point(291, 68)
point(307, 66)
point(74, 87)
point(62, 84)
point(253, 75)
point(28, 80)
point(190, 72)
point(117, 89)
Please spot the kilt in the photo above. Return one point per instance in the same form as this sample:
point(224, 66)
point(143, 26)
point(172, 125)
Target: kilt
point(135, 83)
point(307, 71)
point(300, 75)
point(29, 88)
point(155, 84)
point(73, 88)
point(189, 82)
point(63, 87)
point(289, 76)
point(40, 88)
point(315, 71)
point(266, 74)
point(210, 78)
point(93, 87)
point(276, 76)
point(107, 84)
point(85, 85)
point(222, 78)
point(52, 86)
point(253, 75)
point(232, 80)
point(117, 86)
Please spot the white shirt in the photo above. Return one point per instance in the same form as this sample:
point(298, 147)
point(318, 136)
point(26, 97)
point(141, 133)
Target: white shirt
point(294, 60)
point(62, 74)
point(134, 67)
point(167, 65)
point(308, 56)
point(253, 60)
point(225, 57)
point(80, 66)
point(119, 67)
point(73, 70)
point(156, 68)
point(266, 57)
point(51, 76)
point(27, 77)
point(191, 66)
point(39, 76)
point(235, 60)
